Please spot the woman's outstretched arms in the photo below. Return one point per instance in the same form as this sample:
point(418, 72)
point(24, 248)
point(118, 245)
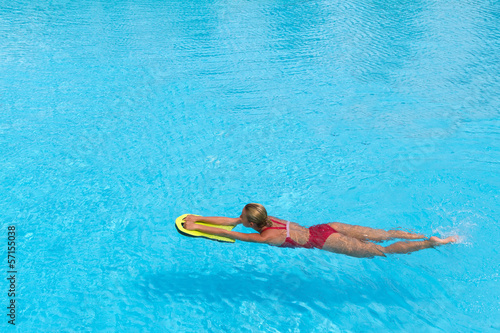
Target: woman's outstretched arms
point(253, 237)
point(219, 220)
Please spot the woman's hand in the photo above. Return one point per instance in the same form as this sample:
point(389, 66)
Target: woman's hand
point(189, 222)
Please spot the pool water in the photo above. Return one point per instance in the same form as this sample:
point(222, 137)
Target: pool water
point(117, 117)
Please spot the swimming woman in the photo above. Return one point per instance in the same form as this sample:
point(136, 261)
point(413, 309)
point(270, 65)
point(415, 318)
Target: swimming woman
point(351, 240)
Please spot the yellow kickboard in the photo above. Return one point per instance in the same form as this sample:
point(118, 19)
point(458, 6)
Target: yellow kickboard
point(179, 225)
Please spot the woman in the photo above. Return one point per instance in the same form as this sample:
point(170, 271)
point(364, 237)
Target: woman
point(335, 237)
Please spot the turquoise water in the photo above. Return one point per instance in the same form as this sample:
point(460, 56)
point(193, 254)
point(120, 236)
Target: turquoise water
point(117, 117)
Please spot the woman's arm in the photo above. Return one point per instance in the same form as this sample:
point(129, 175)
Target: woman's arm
point(219, 220)
point(254, 237)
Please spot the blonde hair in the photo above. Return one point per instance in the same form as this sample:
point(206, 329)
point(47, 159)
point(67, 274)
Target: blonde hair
point(257, 214)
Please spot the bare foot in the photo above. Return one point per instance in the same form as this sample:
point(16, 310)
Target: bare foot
point(439, 241)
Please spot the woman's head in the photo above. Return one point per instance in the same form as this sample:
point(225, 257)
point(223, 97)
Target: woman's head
point(256, 213)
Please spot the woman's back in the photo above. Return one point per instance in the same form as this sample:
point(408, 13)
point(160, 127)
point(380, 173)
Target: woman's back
point(298, 233)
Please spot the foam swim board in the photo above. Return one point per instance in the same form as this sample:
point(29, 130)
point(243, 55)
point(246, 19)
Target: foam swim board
point(179, 225)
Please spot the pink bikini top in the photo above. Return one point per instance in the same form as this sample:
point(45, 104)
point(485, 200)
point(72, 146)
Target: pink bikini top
point(289, 242)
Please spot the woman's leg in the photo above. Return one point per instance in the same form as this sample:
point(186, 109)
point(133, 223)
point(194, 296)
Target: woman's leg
point(353, 247)
point(377, 235)
point(407, 247)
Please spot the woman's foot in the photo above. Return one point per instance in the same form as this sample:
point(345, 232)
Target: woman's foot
point(439, 241)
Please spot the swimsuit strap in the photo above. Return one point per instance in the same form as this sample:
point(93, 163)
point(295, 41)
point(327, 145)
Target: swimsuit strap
point(277, 222)
point(274, 221)
point(287, 227)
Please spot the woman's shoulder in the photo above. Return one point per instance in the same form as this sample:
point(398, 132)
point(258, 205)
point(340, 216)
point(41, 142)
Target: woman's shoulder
point(274, 218)
point(282, 221)
point(293, 225)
